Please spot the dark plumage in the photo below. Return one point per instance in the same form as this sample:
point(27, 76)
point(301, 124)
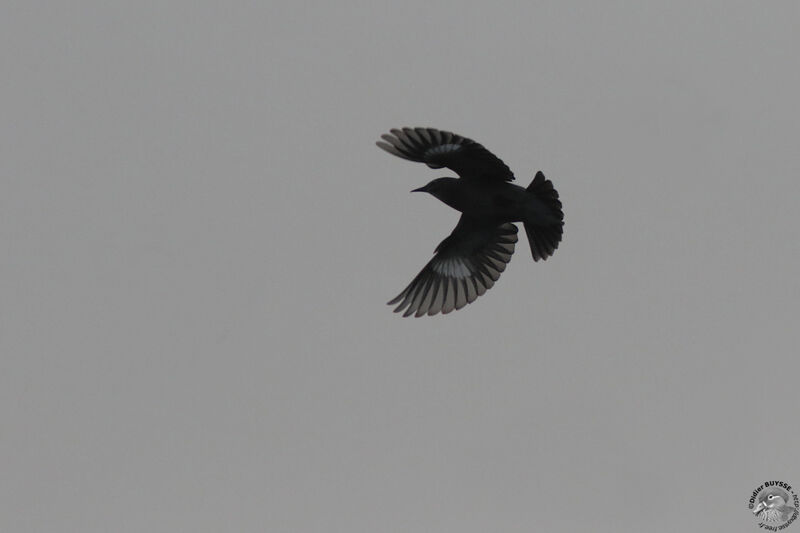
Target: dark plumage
point(470, 260)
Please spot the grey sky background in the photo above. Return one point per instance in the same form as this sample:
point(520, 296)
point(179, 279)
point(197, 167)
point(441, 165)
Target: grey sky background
point(199, 236)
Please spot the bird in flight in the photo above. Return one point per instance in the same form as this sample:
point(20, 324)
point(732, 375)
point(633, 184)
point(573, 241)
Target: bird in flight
point(469, 261)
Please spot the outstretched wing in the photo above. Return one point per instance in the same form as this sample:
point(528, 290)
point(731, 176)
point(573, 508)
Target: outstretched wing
point(439, 149)
point(466, 265)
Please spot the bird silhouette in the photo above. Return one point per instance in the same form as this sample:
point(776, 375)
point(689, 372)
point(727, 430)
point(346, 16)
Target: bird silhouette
point(469, 261)
point(773, 506)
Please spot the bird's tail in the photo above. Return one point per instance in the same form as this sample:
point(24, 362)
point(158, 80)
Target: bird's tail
point(544, 236)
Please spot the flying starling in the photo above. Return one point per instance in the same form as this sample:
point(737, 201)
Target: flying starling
point(469, 261)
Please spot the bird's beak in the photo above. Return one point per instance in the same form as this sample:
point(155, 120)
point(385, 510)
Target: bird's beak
point(421, 189)
point(759, 508)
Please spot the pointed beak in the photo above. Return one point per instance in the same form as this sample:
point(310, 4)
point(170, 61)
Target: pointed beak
point(421, 189)
point(760, 507)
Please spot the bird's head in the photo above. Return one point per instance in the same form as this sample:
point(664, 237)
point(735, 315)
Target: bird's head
point(773, 498)
point(439, 187)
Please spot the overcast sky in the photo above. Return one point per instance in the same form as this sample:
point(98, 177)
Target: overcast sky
point(198, 237)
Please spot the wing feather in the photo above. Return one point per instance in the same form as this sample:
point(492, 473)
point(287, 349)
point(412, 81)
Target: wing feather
point(437, 149)
point(466, 264)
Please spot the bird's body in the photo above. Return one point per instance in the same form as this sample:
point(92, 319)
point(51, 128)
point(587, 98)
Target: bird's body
point(504, 202)
point(470, 260)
